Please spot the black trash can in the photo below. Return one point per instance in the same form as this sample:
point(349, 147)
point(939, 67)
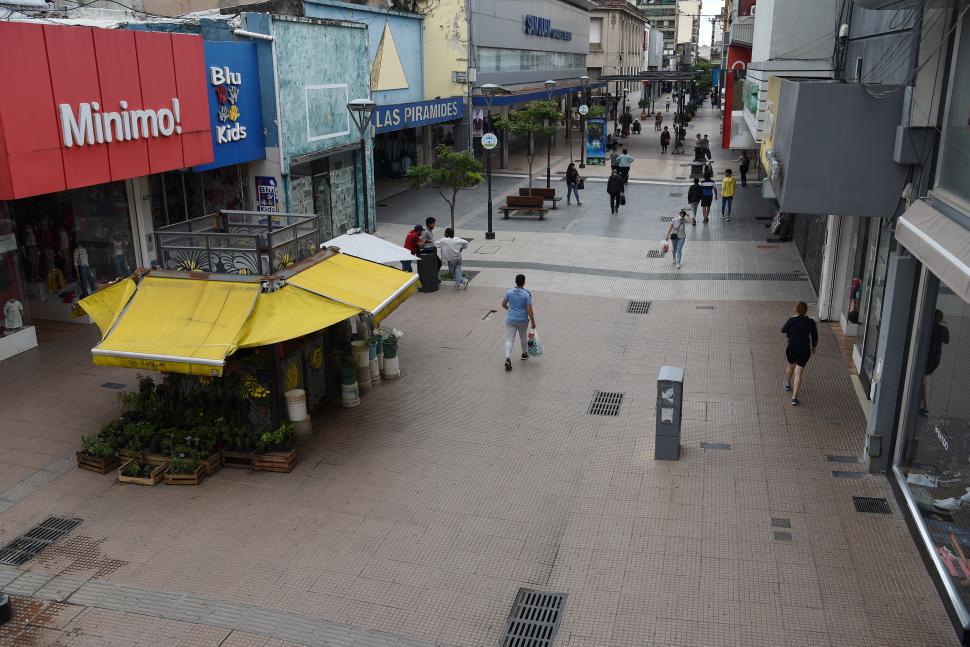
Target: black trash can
point(428, 269)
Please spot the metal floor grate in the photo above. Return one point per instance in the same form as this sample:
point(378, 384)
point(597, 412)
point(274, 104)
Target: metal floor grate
point(606, 403)
point(716, 445)
point(841, 459)
point(870, 504)
point(534, 619)
point(703, 307)
point(28, 545)
point(638, 307)
point(841, 474)
point(666, 218)
point(676, 195)
point(782, 536)
point(780, 522)
point(655, 253)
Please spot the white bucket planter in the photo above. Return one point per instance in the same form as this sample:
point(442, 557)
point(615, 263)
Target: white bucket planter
point(303, 431)
point(375, 372)
point(349, 395)
point(296, 404)
point(392, 368)
point(363, 376)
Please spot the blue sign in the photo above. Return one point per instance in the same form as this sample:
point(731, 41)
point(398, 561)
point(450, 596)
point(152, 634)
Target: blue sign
point(419, 113)
point(596, 141)
point(234, 105)
point(536, 26)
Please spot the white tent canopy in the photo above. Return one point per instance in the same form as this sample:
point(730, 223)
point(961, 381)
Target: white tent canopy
point(370, 248)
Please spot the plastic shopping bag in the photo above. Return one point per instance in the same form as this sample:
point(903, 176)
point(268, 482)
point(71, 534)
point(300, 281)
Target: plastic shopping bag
point(664, 246)
point(535, 347)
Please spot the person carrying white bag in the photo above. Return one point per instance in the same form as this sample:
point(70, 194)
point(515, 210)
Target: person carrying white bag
point(518, 301)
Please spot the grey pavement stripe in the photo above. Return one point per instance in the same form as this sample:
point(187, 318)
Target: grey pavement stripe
point(185, 607)
point(646, 276)
point(25, 487)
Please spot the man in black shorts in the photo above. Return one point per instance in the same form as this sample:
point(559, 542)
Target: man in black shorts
point(802, 340)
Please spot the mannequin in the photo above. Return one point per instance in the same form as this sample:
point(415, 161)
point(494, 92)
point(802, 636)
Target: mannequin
point(13, 316)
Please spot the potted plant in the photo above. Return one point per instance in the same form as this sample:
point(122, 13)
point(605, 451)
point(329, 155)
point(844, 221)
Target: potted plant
point(625, 120)
point(208, 438)
point(392, 367)
point(142, 471)
point(97, 455)
point(349, 392)
point(274, 450)
point(238, 445)
point(643, 109)
point(185, 468)
point(137, 439)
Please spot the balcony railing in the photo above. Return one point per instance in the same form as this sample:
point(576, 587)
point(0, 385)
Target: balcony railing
point(237, 242)
point(741, 31)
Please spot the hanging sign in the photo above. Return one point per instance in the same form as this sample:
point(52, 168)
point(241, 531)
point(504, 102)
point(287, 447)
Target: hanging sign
point(267, 194)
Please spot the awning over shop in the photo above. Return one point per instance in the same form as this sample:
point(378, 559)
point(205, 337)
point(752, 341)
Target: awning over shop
point(105, 305)
point(939, 243)
point(370, 248)
point(289, 313)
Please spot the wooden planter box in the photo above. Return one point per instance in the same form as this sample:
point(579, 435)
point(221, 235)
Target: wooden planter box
point(275, 461)
point(127, 455)
point(186, 479)
point(154, 479)
point(212, 464)
point(97, 463)
point(242, 460)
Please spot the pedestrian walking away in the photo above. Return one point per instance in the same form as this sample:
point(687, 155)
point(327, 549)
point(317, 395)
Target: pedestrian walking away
point(668, 105)
point(623, 163)
point(664, 140)
point(518, 302)
point(451, 248)
point(614, 161)
point(657, 121)
point(802, 341)
point(745, 163)
point(573, 182)
point(694, 199)
point(728, 185)
point(708, 195)
point(614, 186)
point(706, 143)
point(677, 235)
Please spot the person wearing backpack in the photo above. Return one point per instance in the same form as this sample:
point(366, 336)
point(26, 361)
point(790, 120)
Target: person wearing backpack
point(694, 199)
point(708, 194)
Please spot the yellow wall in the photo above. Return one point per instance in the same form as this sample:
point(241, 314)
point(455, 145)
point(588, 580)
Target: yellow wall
point(445, 47)
point(771, 117)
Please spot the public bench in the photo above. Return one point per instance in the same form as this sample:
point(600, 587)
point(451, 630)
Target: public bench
point(529, 203)
point(546, 194)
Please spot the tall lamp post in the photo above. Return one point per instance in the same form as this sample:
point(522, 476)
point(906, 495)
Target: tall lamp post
point(549, 86)
point(488, 91)
point(582, 145)
point(360, 111)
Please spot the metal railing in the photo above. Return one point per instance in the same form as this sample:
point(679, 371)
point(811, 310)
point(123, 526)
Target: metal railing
point(237, 242)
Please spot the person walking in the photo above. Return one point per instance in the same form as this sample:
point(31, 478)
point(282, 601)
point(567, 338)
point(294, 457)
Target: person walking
point(707, 147)
point(614, 163)
point(677, 235)
point(451, 248)
point(657, 122)
point(745, 163)
point(668, 105)
point(412, 242)
point(694, 199)
point(664, 141)
point(802, 341)
point(708, 195)
point(623, 163)
point(572, 183)
point(518, 302)
point(728, 186)
point(614, 186)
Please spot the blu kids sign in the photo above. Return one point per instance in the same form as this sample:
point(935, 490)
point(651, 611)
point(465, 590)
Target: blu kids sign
point(536, 26)
point(420, 113)
point(234, 103)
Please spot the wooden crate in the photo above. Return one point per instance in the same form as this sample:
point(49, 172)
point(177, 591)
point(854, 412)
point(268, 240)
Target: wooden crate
point(97, 463)
point(242, 460)
point(186, 479)
point(127, 455)
point(157, 473)
point(275, 461)
point(212, 464)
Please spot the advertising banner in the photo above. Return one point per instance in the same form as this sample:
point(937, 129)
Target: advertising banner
point(596, 141)
point(420, 113)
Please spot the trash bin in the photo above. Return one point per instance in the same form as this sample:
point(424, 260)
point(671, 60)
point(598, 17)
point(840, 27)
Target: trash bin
point(428, 269)
point(670, 395)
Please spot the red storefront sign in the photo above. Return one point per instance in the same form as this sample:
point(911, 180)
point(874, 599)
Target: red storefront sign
point(82, 106)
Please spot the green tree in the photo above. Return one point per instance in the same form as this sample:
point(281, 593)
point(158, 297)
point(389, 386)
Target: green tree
point(536, 118)
point(452, 170)
point(703, 66)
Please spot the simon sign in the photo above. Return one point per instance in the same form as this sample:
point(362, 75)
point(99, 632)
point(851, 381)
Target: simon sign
point(536, 26)
point(82, 106)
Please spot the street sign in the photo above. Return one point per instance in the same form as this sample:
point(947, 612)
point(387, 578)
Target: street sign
point(583, 109)
point(489, 141)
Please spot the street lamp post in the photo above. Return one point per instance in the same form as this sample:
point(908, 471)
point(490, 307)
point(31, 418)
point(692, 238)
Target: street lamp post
point(488, 92)
point(360, 111)
point(549, 86)
point(582, 145)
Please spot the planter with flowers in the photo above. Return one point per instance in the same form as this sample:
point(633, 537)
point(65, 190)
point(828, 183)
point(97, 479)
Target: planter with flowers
point(392, 367)
point(274, 451)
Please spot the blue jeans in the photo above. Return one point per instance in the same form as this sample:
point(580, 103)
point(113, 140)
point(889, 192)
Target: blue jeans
point(406, 266)
point(726, 205)
point(121, 266)
point(678, 246)
point(572, 189)
point(85, 280)
point(454, 267)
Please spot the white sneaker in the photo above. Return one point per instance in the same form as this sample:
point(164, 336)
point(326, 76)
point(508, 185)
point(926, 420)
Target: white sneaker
point(948, 505)
point(464, 284)
point(678, 266)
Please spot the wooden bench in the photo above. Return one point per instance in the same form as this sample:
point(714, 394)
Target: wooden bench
point(523, 203)
point(545, 194)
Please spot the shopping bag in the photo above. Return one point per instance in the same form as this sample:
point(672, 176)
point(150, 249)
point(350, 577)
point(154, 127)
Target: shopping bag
point(622, 198)
point(664, 246)
point(535, 347)
point(581, 184)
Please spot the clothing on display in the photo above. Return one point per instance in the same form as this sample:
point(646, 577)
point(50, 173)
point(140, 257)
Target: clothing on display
point(13, 315)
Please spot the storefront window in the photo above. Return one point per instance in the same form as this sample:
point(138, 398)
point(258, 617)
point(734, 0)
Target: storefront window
point(494, 59)
point(874, 299)
point(955, 164)
point(14, 309)
point(936, 445)
point(178, 196)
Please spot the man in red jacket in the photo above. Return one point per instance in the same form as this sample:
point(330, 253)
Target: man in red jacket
point(411, 243)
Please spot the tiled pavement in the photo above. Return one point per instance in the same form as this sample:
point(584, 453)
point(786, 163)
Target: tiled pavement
point(414, 518)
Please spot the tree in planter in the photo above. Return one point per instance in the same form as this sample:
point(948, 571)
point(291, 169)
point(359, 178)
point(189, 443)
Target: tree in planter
point(537, 118)
point(643, 108)
point(454, 170)
point(625, 120)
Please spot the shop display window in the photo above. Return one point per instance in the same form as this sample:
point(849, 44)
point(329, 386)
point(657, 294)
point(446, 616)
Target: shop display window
point(934, 459)
point(955, 163)
point(14, 308)
point(178, 196)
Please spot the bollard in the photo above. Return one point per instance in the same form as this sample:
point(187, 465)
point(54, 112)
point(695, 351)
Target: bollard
point(670, 394)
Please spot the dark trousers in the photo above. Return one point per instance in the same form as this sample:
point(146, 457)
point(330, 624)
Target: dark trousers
point(615, 202)
point(663, 148)
point(744, 176)
point(624, 173)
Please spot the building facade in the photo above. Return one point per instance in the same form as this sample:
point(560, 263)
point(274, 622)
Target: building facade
point(663, 16)
point(738, 34)
point(617, 34)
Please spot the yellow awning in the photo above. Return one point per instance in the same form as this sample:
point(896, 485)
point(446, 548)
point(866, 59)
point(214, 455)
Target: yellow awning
point(179, 325)
point(106, 304)
point(392, 306)
point(289, 313)
point(352, 281)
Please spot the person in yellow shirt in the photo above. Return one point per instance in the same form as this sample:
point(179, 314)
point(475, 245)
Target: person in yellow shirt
point(728, 184)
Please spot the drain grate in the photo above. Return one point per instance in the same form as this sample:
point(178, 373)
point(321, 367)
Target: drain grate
point(839, 474)
point(655, 253)
point(716, 445)
point(676, 195)
point(606, 403)
point(703, 307)
point(768, 246)
point(841, 459)
point(782, 536)
point(28, 545)
point(113, 385)
point(534, 619)
point(680, 177)
point(666, 218)
point(780, 522)
point(872, 505)
point(638, 307)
